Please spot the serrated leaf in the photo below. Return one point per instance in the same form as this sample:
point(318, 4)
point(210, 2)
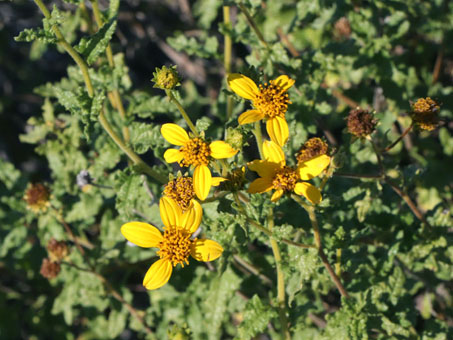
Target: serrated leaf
point(256, 316)
point(92, 47)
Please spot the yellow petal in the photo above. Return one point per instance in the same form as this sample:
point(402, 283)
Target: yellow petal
point(264, 168)
point(205, 250)
point(250, 116)
point(202, 180)
point(215, 181)
point(277, 129)
point(260, 185)
point(142, 234)
point(309, 191)
point(173, 155)
point(158, 274)
point(273, 153)
point(243, 86)
point(221, 149)
point(192, 217)
point(276, 195)
point(284, 82)
point(170, 212)
point(313, 167)
point(174, 134)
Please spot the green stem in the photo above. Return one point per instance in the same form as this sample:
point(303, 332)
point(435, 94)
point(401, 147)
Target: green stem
point(314, 223)
point(252, 24)
point(280, 279)
point(145, 168)
point(264, 229)
point(227, 49)
point(186, 117)
point(116, 95)
point(89, 86)
point(388, 148)
point(259, 138)
point(338, 263)
point(68, 48)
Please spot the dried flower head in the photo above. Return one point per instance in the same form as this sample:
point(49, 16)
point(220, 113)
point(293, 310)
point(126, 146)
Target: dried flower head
point(166, 78)
point(361, 123)
point(312, 148)
point(49, 269)
point(425, 113)
point(37, 197)
point(342, 28)
point(57, 250)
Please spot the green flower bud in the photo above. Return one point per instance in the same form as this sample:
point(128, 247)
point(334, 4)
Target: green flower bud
point(166, 78)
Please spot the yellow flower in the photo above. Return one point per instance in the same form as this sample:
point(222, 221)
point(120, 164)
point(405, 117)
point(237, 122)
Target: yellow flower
point(275, 174)
point(175, 245)
point(198, 153)
point(270, 102)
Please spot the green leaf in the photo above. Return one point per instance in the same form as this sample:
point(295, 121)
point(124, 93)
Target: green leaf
point(221, 290)
point(257, 316)
point(38, 34)
point(93, 46)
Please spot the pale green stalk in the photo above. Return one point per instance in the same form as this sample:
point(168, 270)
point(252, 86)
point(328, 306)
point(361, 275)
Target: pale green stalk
point(89, 86)
point(183, 112)
point(280, 280)
point(314, 223)
point(228, 45)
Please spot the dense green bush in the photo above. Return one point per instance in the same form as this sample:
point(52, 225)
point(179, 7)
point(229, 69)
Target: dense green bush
point(372, 260)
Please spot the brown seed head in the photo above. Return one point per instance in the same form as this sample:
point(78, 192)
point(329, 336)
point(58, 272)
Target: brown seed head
point(425, 113)
point(49, 269)
point(361, 123)
point(342, 28)
point(57, 250)
point(37, 197)
point(312, 148)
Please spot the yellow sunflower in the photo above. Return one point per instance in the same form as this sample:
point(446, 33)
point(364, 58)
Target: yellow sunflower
point(275, 174)
point(175, 245)
point(196, 152)
point(270, 102)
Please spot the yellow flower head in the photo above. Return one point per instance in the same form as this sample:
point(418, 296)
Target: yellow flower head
point(198, 153)
point(269, 100)
point(275, 174)
point(175, 245)
point(425, 113)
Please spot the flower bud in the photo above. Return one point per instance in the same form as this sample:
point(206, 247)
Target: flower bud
point(235, 180)
point(361, 123)
point(234, 138)
point(425, 113)
point(166, 78)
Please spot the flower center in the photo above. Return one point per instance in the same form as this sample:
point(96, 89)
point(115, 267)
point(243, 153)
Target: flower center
point(312, 148)
point(196, 152)
point(175, 246)
point(272, 100)
point(285, 179)
point(181, 191)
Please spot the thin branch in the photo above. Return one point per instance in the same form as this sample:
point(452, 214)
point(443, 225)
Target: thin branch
point(388, 148)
